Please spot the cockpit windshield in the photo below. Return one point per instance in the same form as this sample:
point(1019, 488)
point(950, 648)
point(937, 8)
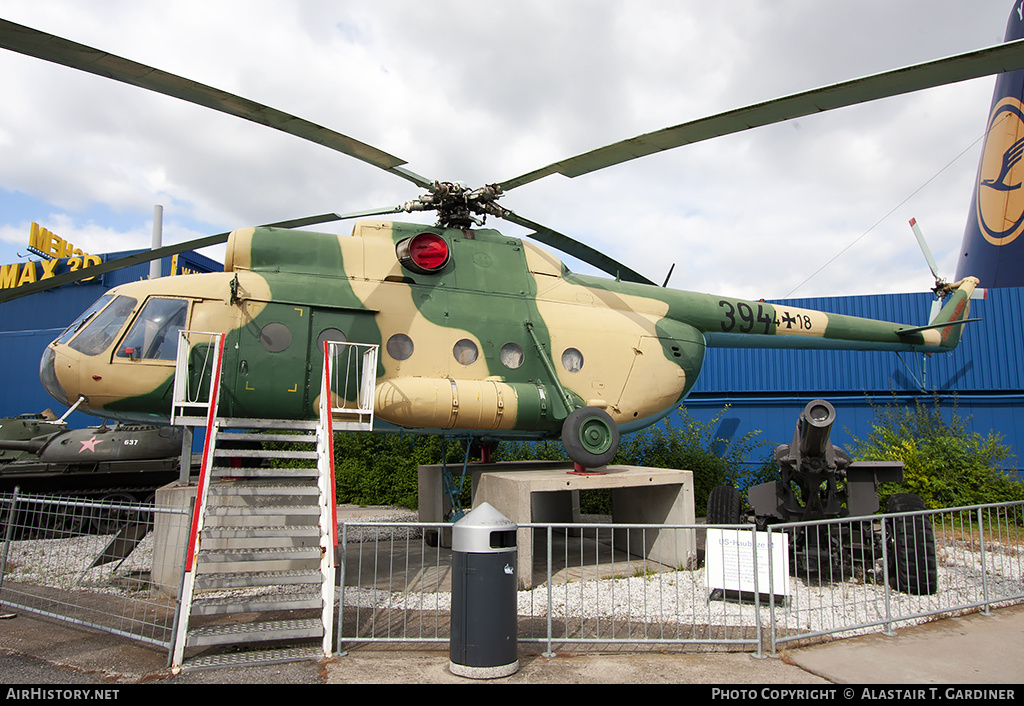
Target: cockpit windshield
point(77, 324)
point(98, 333)
point(155, 335)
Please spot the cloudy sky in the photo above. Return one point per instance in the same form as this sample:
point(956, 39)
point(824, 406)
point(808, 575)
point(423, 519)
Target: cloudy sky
point(484, 91)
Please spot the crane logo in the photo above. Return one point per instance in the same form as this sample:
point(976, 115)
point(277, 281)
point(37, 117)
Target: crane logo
point(1000, 198)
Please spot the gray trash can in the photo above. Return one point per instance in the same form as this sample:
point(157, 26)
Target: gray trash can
point(483, 642)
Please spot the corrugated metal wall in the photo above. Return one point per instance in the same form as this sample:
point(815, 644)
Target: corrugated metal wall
point(988, 358)
point(983, 379)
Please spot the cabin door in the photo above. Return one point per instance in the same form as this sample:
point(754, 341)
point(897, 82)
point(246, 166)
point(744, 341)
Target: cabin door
point(342, 325)
point(270, 363)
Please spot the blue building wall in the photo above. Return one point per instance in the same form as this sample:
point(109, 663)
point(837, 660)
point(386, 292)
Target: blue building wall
point(983, 379)
point(29, 324)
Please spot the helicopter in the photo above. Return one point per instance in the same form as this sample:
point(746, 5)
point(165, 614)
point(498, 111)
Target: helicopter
point(482, 335)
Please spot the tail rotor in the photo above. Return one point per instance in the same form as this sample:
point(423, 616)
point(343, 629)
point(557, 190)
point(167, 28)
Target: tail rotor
point(942, 288)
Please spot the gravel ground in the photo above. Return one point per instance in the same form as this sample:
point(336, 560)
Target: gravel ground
point(674, 597)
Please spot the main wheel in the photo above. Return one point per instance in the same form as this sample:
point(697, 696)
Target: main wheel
point(724, 506)
point(590, 437)
point(913, 565)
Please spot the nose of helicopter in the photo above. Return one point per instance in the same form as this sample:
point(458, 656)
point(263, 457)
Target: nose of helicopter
point(48, 376)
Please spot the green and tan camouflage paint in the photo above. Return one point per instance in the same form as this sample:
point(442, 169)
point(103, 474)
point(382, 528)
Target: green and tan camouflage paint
point(642, 346)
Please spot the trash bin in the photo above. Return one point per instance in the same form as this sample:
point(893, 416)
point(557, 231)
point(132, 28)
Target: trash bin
point(483, 641)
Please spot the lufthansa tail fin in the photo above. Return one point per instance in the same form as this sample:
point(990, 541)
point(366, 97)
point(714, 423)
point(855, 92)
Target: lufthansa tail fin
point(993, 244)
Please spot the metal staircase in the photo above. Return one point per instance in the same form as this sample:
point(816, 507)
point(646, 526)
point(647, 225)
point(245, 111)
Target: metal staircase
point(259, 576)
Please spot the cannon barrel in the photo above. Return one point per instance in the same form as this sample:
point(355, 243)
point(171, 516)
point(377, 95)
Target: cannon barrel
point(34, 445)
point(814, 428)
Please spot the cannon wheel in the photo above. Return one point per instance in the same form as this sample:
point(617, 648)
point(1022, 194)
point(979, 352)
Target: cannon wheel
point(913, 566)
point(724, 506)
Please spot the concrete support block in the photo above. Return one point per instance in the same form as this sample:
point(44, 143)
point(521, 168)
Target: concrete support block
point(550, 494)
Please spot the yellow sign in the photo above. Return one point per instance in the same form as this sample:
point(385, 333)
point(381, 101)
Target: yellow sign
point(46, 244)
point(20, 273)
point(61, 256)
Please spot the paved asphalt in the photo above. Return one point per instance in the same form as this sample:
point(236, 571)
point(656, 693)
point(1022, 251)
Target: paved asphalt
point(984, 651)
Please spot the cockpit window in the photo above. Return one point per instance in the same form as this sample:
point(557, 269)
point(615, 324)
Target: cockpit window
point(98, 334)
point(155, 335)
point(78, 323)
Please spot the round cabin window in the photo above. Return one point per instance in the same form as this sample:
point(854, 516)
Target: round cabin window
point(572, 360)
point(466, 352)
point(400, 347)
point(275, 337)
point(511, 355)
point(329, 334)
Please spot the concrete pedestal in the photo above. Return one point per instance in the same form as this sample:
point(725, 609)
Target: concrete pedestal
point(545, 492)
point(170, 534)
point(435, 505)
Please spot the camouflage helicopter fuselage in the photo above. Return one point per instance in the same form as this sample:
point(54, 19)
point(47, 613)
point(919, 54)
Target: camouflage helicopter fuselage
point(501, 341)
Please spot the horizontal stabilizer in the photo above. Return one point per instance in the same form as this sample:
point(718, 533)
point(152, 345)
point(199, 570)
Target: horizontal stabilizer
point(919, 329)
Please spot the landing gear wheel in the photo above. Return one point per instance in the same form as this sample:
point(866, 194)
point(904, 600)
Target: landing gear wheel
point(724, 506)
point(913, 565)
point(590, 437)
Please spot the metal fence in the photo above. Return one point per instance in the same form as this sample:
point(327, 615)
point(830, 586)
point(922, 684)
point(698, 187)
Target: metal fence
point(91, 563)
point(593, 584)
point(602, 585)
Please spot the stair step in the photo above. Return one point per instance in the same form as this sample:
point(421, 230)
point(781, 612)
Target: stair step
point(228, 423)
point(264, 453)
point(257, 604)
point(266, 436)
point(233, 633)
point(260, 472)
point(262, 532)
point(273, 554)
point(253, 523)
point(261, 510)
point(253, 658)
point(259, 540)
point(262, 488)
point(241, 579)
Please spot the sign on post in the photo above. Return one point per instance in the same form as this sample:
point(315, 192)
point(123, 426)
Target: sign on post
point(731, 560)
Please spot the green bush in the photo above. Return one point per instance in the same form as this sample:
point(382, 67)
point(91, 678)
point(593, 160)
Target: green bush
point(693, 446)
point(945, 463)
point(380, 469)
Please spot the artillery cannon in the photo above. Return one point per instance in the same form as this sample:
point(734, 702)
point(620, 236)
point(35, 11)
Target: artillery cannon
point(818, 481)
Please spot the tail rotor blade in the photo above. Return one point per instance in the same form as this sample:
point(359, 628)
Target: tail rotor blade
point(925, 249)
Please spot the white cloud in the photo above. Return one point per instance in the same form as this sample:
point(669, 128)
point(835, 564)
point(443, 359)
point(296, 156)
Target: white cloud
point(485, 91)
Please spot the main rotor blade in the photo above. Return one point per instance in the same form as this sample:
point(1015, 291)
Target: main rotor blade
point(147, 255)
point(582, 252)
point(961, 67)
point(58, 50)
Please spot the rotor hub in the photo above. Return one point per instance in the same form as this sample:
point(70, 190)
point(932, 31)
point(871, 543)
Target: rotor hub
point(457, 205)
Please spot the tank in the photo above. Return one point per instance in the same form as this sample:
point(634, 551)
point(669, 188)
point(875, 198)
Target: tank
point(125, 462)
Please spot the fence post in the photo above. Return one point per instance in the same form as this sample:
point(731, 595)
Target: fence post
point(757, 591)
point(9, 533)
point(885, 579)
point(548, 653)
point(771, 591)
point(984, 576)
point(342, 560)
